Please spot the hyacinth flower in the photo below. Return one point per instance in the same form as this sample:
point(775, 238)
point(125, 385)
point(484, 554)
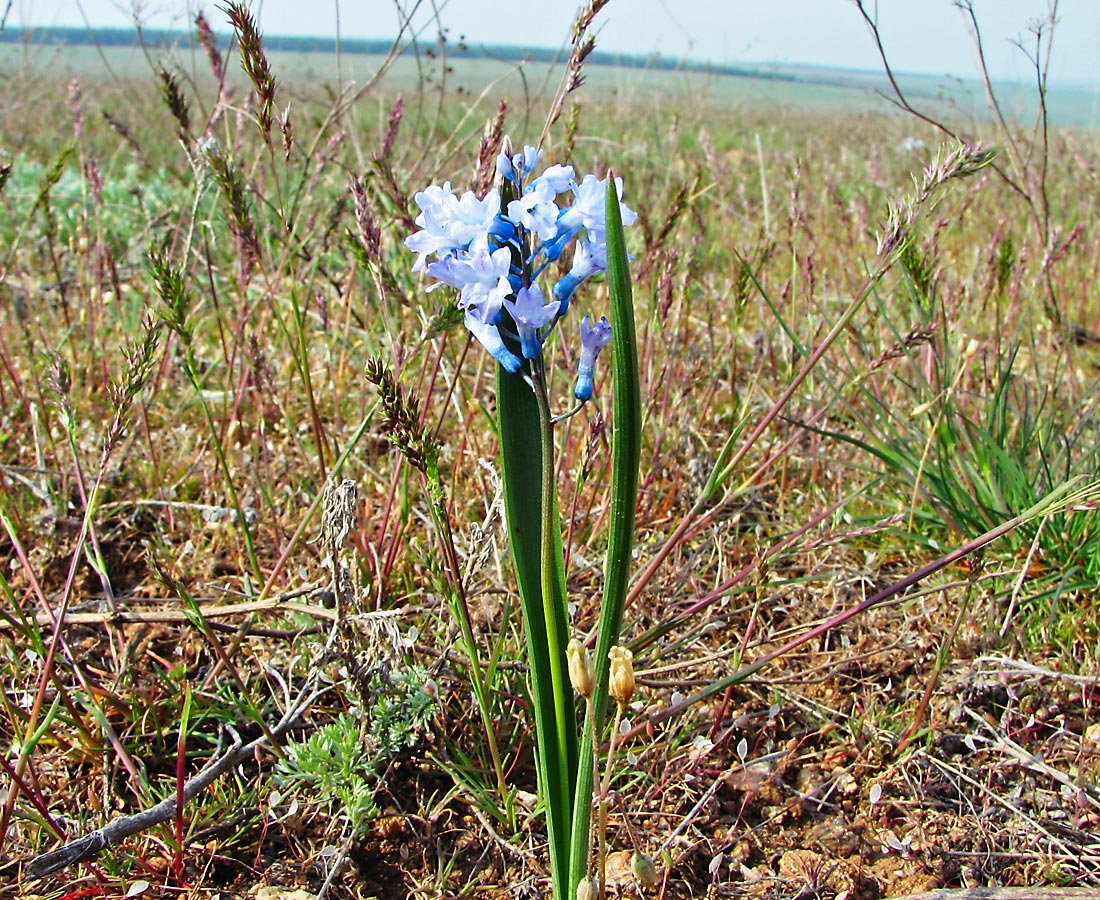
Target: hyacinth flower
point(451, 223)
point(588, 211)
point(493, 251)
point(530, 314)
point(589, 258)
point(479, 320)
point(507, 255)
point(593, 339)
point(516, 168)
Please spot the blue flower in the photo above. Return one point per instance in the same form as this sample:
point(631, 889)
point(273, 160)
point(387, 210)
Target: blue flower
point(486, 254)
point(589, 257)
point(452, 223)
point(520, 165)
point(558, 177)
point(481, 322)
point(530, 313)
point(536, 210)
point(589, 212)
point(481, 277)
point(460, 269)
point(593, 339)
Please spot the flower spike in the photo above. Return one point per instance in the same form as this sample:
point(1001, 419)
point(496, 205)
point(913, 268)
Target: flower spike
point(494, 256)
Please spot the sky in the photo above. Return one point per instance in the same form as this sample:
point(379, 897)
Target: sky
point(924, 36)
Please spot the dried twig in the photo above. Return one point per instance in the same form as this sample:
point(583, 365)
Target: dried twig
point(1004, 665)
point(90, 845)
point(582, 43)
point(176, 616)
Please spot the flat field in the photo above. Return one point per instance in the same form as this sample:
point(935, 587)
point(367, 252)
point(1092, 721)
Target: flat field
point(188, 307)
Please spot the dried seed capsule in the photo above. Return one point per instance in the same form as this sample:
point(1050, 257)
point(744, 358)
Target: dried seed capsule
point(582, 673)
point(621, 684)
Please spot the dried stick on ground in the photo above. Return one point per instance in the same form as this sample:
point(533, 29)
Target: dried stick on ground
point(208, 611)
point(90, 845)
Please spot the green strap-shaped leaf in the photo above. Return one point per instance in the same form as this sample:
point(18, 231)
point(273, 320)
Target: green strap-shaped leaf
point(626, 448)
point(521, 469)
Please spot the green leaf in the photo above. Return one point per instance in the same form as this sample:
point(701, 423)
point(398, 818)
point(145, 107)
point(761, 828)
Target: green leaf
point(626, 448)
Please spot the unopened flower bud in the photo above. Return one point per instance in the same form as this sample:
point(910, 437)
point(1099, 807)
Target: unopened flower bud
point(644, 870)
point(621, 683)
point(582, 673)
point(587, 889)
point(593, 339)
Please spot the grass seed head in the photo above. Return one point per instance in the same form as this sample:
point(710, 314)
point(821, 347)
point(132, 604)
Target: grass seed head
point(286, 129)
point(172, 95)
point(368, 230)
point(393, 124)
point(402, 423)
point(210, 44)
point(227, 176)
point(171, 287)
point(254, 62)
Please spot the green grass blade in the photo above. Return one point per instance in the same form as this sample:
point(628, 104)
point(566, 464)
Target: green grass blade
point(626, 449)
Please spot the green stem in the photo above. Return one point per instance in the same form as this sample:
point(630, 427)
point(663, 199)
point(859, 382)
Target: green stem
point(601, 801)
point(461, 609)
point(552, 614)
point(593, 761)
point(301, 345)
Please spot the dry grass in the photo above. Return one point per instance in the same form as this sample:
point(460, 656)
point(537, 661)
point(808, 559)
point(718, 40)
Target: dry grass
point(166, 597)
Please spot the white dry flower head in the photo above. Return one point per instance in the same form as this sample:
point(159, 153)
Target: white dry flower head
point(338, 513)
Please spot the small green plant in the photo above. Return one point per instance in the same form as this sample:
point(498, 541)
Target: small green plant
point(337, 768)
point(333, 769)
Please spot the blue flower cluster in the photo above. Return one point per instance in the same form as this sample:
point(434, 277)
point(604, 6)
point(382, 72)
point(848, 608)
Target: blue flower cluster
point(493, 257)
